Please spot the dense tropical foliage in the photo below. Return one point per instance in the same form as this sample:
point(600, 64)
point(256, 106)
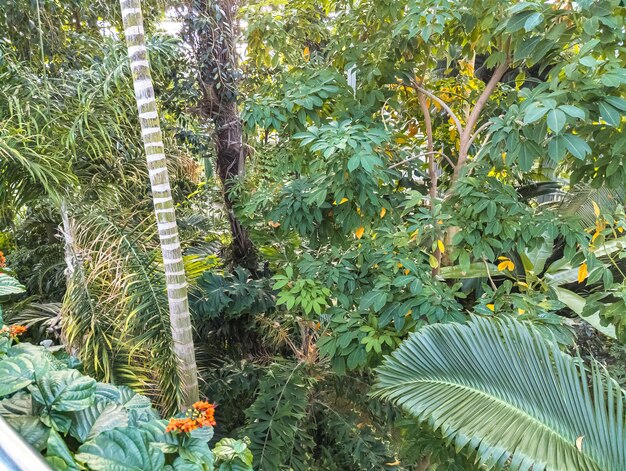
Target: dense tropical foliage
point(375, 234)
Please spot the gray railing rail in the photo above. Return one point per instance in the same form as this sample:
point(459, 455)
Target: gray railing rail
point(16, 454)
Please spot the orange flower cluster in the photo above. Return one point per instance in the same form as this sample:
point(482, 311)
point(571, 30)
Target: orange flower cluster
point(3, 260)
point(202, 414)
point(13, 330)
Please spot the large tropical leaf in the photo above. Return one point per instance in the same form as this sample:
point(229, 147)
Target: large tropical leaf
point(497, 387)
point(103, 415)
point(122, 449)
point(16, 373)
point(66, 390)
point(9, 285)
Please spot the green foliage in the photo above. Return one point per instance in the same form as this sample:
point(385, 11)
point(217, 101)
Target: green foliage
point(274, 416)
point(78, 423)
point(517, 380)
point(231, 295)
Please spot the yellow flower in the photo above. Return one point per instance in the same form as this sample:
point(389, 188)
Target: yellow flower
point(505, 264)
point(491, 307)
point(383, 212)
point(582, 272)
point(359, 232)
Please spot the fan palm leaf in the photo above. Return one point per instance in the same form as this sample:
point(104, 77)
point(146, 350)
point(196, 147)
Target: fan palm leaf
point(497, 387)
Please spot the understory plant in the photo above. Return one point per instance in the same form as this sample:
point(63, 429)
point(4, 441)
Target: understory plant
point(79, 423)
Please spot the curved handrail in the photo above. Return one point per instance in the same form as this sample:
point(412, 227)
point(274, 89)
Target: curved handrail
point(16, 454)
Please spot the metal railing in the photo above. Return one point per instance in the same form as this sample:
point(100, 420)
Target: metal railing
point(16, 454)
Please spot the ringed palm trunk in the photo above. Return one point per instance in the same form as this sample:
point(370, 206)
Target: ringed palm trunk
point(180, 319)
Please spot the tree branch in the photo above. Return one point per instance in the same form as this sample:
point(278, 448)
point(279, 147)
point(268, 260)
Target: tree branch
point(443, 104)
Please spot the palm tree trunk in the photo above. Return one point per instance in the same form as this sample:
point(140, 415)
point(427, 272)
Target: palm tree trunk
point(182, 335)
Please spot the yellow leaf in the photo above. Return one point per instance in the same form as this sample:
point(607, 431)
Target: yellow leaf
point(510, 266)
point(395, 463)
point(415, 233)
point(343, 200)
point(579, 443)
point(440, 246)
point(409, 313)
point(595, 236)
point(383, 212)
point(596, 209)
point(503, 258)
point(521, 283)
point(407, 271)
point(359, 232)
point(503, 265)
point(491, 307)
point(582, 272)
point(306, 53)
point(503, 156)
point(399, 265)
point(520, 311)
point(432, 261)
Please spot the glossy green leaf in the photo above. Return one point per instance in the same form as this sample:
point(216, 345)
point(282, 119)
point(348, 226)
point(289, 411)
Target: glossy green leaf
point(556, 120)
point(65, 390)
point(122, 449)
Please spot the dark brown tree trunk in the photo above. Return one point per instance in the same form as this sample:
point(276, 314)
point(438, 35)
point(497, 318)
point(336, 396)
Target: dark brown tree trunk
point(230, 165)
point(211, 29)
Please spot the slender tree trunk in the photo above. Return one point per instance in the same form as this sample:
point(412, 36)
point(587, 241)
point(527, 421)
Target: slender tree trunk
point(182, 335)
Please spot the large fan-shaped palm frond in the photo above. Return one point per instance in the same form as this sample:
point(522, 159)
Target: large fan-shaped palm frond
point(497, 387)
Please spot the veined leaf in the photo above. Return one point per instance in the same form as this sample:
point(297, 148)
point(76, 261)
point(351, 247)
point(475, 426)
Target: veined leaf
point(15, 374)
point(65, 390)
point(497, 387)
point(121, 449)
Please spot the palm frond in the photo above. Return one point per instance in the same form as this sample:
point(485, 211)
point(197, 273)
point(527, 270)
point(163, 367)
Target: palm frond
point(497, 387)
point(116, 310)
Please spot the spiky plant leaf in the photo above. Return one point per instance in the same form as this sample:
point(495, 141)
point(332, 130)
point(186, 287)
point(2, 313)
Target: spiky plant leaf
point(497, 387)
point(275, 414)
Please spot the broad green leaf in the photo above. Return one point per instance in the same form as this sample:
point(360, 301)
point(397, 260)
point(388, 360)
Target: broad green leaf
point(20, 403)
point(573, 111)
point(121, 449)
point(15, 374)
point(103, 415)
point(557, 148)
point(576, 145)
point(31, 429)
point(65, 390)
point(58, 455)
point(375, 299)
point(528, 152)
point(534, 113)
point(9, 285)
point(609, 114)
point(533, 20)
point(556, 120)
point(577, 304)
point(475, 270)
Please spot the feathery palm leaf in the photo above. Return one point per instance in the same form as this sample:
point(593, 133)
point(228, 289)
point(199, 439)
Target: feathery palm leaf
point(497, 387)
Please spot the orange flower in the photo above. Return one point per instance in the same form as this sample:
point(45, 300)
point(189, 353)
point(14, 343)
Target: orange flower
point(14, 330)
point(202, 414)
point(3, 260)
